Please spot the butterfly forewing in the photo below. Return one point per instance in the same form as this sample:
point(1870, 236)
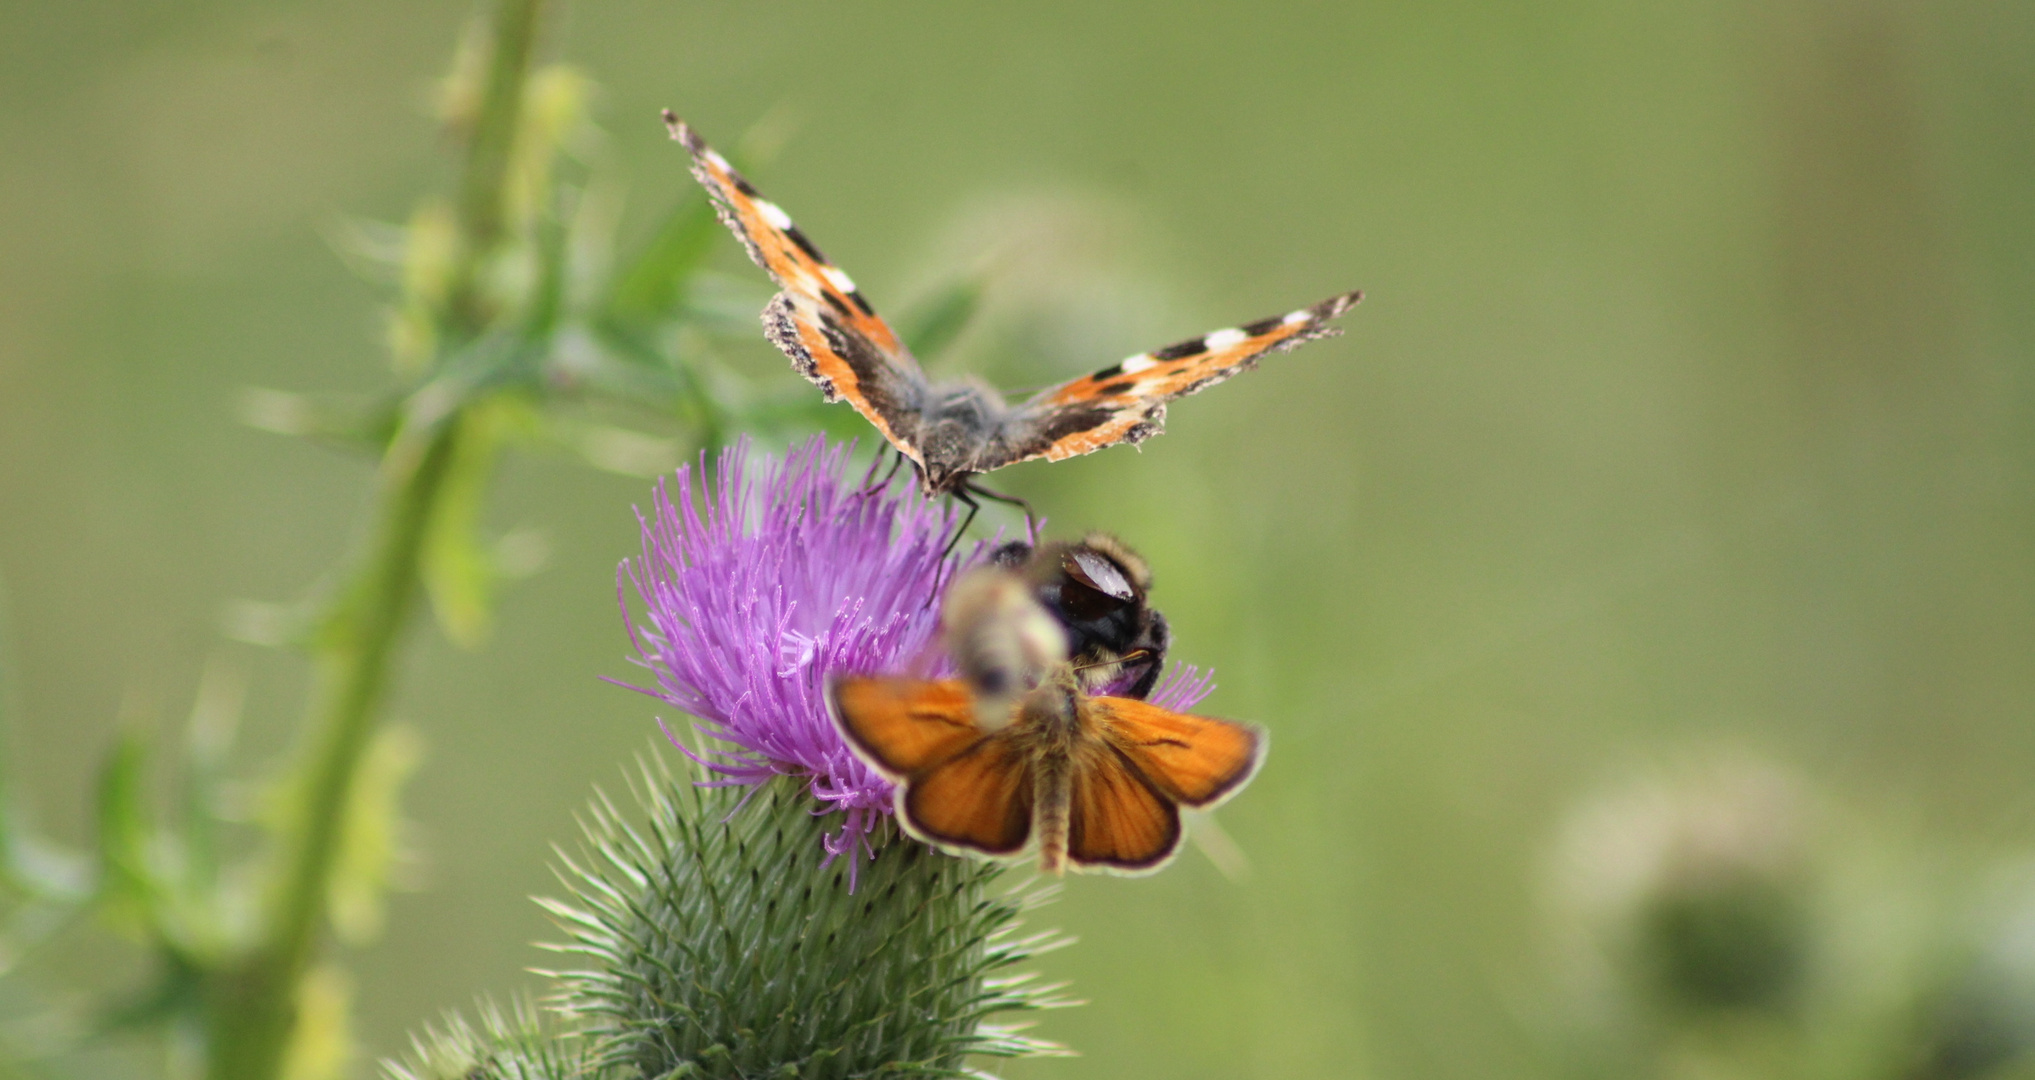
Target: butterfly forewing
point(1196, 760)
point(1126, 402)
point(1115, 820)
point(981, 799)
point(845, 364)
point(904, 726)
point(821, 320)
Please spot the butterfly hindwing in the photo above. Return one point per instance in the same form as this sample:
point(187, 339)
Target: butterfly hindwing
point(980, 800)
point(1116, 821)
point(1126, 402)
point(847, 365)
point(821, 320)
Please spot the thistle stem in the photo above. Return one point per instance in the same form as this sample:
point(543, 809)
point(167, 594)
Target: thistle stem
point(489, 153)
point(251, 1004)
point(254, 1004)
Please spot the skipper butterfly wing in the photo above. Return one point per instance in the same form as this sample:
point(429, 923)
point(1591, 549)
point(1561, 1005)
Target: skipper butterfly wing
point(1117, 822)
point(956, 786)
point(1195, 760)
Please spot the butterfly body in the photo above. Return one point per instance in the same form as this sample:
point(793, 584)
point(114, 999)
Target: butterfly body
point(1048, 733)
point(955, 431)
point(965, 425)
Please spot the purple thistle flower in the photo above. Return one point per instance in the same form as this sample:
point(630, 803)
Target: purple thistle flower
point(760, 583)
point(1181, 688)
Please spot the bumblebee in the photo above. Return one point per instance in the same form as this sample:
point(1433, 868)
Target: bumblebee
point(1097, 590)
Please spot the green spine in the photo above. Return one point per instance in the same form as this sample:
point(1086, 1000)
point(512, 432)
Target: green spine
point(719, 942)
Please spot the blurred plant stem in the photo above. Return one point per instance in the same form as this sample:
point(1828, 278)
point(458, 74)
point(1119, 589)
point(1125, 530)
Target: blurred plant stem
point(483, 187)
point(253, 1008)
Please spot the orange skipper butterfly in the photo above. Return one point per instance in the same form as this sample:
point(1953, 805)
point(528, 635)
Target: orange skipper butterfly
point(955, 431)
point(1017, 754)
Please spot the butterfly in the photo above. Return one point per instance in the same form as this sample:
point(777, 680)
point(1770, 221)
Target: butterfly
point(1017, 755)
point(953, 432)
point(1096, 589)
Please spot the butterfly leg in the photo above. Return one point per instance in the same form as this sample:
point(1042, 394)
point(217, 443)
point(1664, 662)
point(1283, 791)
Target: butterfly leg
point(963, 496)
point(896, 463)
point(1031, 520)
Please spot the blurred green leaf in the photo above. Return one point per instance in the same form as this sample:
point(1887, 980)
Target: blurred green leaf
point(431, 250)
point(934, 323)
point(728, 303)
point(454, 562)
point(269, 625)
point(208, 737)
point(175, 990)
point(29, 863)
point(321, 1040)
point(626, 364)
point(129, 890)
point(371, 848)
point(548, 253)
point(350, 423)
point(552, 121)
point(654, 283)
point(10, 712)
point(611, 448)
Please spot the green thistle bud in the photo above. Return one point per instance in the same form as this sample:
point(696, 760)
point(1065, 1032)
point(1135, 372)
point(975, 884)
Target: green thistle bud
point(726, 943)
point(516, 1044)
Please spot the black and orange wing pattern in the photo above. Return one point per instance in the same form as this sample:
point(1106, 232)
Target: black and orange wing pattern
point(1126, 402)
point(1194, 760)
point(821, 321)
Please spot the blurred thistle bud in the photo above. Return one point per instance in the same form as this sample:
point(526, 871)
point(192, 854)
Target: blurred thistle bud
point(1981, 1020)
point(1685, 896)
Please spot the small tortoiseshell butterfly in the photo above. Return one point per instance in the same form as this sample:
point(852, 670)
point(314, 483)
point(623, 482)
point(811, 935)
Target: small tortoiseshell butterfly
point(955, 431)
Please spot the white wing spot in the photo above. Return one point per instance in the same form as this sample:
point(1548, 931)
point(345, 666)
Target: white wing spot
point(1225, 339)
point(715, 159)
point(838, 279)
point(1295, 318)
point(1137, 363)
point(777, 218)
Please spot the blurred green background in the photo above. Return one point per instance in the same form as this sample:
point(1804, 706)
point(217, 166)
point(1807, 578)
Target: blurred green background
point(1690, 408)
